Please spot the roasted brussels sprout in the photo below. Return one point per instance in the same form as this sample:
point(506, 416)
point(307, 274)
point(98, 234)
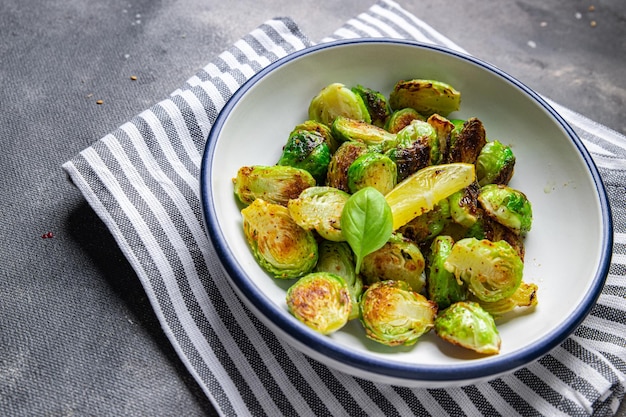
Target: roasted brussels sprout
point(274, 184)
point(492, 230)
point(320, 300)
point(321, 129)
point(441, 284)
point(425, 96)
point(464, 206)
point(508, 206)
point(443, 129)
point(372, 170)
point(376, 104)
point(524, 296)
point(337, 258)
point(495, 164)
point(399, 260)
point(400, 119)
point(281, 247)
point(491, 270)
point(466, 141)
point(424, 133)
point(466, 324)
point(394, 315)
point(428, 225)
point(346, 129)
point(319, 208)
point(337, 100)
point(307, 150)
point(347, 153)
point(410, 155)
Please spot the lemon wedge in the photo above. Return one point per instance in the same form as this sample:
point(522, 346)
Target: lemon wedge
point(419, 193)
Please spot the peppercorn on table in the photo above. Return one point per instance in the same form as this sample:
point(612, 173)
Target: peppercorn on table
point(100, 314)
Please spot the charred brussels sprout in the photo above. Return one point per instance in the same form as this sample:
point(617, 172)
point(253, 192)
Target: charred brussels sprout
point(491, 270)
point(281, 247)
point(425, 96)
point(321, 129)
point(507, 206)
point(347, 153)
point(495, 164)
point(321, 301)
point(443, 130)
point(424, 133)
point(399, 260)
point(428, 225)
point(337, 258)
point(346, 129)
point(274, 184)
point(466, 324)
point(464, 206)
point(372, 170)
point(442, 286)
point(376, 104)
point(394, 315)
point(337, 100)
point(466, 141)
point(309, 151)
point(524, 296)
point(400, 119)
point(319, 208)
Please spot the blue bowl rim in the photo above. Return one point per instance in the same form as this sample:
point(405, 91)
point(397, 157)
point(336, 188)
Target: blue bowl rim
point(471, 370)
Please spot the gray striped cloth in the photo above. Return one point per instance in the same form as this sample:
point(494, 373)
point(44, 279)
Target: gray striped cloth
point(142, 180)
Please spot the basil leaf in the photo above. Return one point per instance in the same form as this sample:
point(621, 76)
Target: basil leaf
point(366, 222)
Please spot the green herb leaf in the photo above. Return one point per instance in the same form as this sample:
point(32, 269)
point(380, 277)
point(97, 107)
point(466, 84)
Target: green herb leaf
point(366, 222)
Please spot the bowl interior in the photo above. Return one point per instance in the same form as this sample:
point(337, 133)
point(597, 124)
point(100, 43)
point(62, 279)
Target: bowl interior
point(566, 250)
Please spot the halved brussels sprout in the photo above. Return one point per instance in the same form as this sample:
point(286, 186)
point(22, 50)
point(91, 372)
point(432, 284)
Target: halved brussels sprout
point(376, 104)
point(508, 206)
point(274, 184)
point(494, 231)
point(400, 119)
point(340, 162)
point(464, 206)
point(279, 245)
point(319, 208)
point(321, 301)
point(337, 100)
point(307, 150)
point(442, 286)
point(394, 315)
point(428, 225)
point(524, 296)
point(337, 258)
point(320, 128)
point(466, 141)
point(466, 324)
point(372, 170)
point(426, 134)
point(346, 129)
point(425, 96)
point(443, 129)
point(399, 260)
point(495, 164)
point(491, 270)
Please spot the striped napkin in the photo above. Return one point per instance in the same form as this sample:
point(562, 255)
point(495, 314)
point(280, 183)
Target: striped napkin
point(142, 180)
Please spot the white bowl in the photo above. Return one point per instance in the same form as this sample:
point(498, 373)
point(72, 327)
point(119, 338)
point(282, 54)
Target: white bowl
point(568, 249)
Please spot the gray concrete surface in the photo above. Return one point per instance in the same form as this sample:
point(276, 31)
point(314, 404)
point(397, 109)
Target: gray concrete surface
point(77, 334)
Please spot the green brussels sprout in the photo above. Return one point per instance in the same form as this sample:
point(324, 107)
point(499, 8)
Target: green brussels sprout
point(279, 245)
point(491, 270)
point(321, 129)
point(309, 151)
point(376, 104)
point(274, 184)
point(426, 134)
point(466, 141)
point(466, 324)
point(337, 258)
point(372, 170)
point(464, 205)
point(346, 129)
point(508, 206)
point(495, 164)
point(494, 231)
point(337, 100)
point(394, 315)
point(319, 208)
point(400, 119)
point(524, 296)
point(425, 96)
point(320, 300)
point(347, 153)
point(411, 152)
point(441, 284)
point(400, 260)
point(428, 225)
